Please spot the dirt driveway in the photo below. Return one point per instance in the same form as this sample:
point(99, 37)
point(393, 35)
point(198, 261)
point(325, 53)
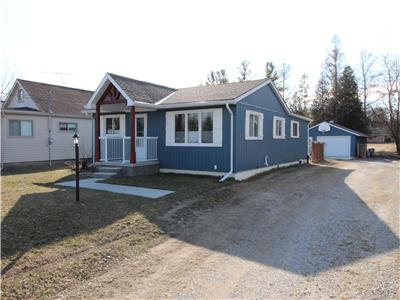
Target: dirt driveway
point(314, 232)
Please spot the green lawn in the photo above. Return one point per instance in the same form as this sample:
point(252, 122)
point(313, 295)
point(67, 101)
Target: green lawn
point(50, 242)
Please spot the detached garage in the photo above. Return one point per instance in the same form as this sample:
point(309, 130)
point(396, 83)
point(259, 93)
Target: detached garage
point(339, 142)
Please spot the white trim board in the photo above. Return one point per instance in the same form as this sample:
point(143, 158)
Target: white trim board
point(337, 127)
point(239, 176)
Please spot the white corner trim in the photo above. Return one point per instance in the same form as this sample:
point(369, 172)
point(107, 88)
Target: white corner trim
point(274, 136)
point(243, 175)
point(291, 129)
point(191, 172)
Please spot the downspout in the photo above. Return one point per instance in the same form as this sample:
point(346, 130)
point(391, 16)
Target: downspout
point(231, 152)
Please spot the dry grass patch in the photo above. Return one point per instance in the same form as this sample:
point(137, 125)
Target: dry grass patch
point(51, 243)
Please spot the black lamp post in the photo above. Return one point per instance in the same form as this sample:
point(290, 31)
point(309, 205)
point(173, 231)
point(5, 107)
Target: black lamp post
point(76, 143)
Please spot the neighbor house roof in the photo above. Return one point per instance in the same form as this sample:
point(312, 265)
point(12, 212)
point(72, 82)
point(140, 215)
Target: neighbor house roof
point(219, 92)
point(357, 133)
point(54, 98)
point(141, 90)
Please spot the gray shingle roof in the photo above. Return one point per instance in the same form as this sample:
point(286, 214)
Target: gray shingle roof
point(142, 91)
point(60, 99)
point(217, 92)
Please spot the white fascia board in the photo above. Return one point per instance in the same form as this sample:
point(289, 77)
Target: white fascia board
point(195, 104)
point(129, 101)
point(39, 113)
point(163, 99)
point(101, 88)
point(241, 97)
point(337, 127)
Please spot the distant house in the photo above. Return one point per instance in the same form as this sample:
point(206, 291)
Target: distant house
point(339, 142)
point(38, 121)
point(231, 130)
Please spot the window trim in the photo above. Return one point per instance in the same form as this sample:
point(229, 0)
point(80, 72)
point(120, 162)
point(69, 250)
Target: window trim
point(283, 136)
point(19, 136)
point(67, 131)
point(105, 125)
point(260, 116)
point(20, 92)
point(291, 129)
point(200, 143)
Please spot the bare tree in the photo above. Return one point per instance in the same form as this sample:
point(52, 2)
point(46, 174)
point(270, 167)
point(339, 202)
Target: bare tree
point(391, 96)
point(368, 76)
point(283, 86)
point(217, 77)
point(7, 78)
point(244, 70)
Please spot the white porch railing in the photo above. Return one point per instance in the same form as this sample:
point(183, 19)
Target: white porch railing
point(119, 148)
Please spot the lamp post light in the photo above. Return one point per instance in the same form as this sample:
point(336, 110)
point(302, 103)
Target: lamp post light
point(76, 143)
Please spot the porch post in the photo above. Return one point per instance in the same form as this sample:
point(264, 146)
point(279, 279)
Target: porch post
point(97, 134)
point(133, 138)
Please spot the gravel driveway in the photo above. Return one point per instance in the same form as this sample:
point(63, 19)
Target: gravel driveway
point(329, 231)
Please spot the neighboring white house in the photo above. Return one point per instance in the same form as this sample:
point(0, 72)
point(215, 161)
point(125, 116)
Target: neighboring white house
point(38, 121)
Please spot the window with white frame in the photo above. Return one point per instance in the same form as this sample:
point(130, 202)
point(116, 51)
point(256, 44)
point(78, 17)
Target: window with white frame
point(20, 128)
point(194, 128)
point(295, 129)
point(67, 126)
point(112, 125)
point(254, 125)
point(278, 128)
point(20, 95)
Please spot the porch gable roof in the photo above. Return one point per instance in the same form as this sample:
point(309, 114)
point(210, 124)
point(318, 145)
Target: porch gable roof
point(132, 90)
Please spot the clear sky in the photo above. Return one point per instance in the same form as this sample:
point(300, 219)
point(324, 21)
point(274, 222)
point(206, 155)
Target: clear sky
point(176, 43)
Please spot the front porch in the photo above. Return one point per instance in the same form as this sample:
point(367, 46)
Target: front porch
point(121, 132)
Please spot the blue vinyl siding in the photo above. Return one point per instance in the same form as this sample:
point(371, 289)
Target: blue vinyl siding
point(188, 158)
point(314, 133)
point(250, 154)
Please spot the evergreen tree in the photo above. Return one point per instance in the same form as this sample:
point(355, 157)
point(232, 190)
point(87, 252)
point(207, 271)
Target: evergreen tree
point(349, 106)
point(298, 104)
point(320, 107)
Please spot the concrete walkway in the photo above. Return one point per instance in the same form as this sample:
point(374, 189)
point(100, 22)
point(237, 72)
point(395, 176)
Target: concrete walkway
point(115, 188)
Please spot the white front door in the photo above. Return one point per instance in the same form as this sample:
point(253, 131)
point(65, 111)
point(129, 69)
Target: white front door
point(336, 146)
point(141, 134)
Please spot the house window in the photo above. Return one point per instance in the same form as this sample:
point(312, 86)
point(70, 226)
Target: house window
point(180, 128)
point(254, 125)
point(207, 127)
point(294, 132)
point(112, 125)
point(20, 128)
point(279, 128)
point(20, 95)
point(194, 128)
point(67, 127)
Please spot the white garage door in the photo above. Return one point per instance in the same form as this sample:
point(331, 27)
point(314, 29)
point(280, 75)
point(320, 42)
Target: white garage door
point(336, 146)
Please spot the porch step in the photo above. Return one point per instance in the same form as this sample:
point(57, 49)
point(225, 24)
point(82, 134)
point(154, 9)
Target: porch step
point(106, 172)
point(103, 174)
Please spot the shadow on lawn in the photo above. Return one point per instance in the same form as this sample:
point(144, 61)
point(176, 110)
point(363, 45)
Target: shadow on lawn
point(342, 230)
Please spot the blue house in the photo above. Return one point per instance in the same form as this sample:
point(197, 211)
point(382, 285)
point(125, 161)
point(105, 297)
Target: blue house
point(339, 142)
point(229, 130)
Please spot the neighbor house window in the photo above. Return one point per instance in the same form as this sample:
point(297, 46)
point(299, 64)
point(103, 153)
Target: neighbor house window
point(254, 125)
point(194, 128)
point(20, 128)
point(295, 131)
point(20, 95)
point(67, 127)
point(112, 125)
point(278, 128)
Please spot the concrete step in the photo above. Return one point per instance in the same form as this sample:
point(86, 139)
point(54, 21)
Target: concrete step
point(108, 169)
point(104, 174)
